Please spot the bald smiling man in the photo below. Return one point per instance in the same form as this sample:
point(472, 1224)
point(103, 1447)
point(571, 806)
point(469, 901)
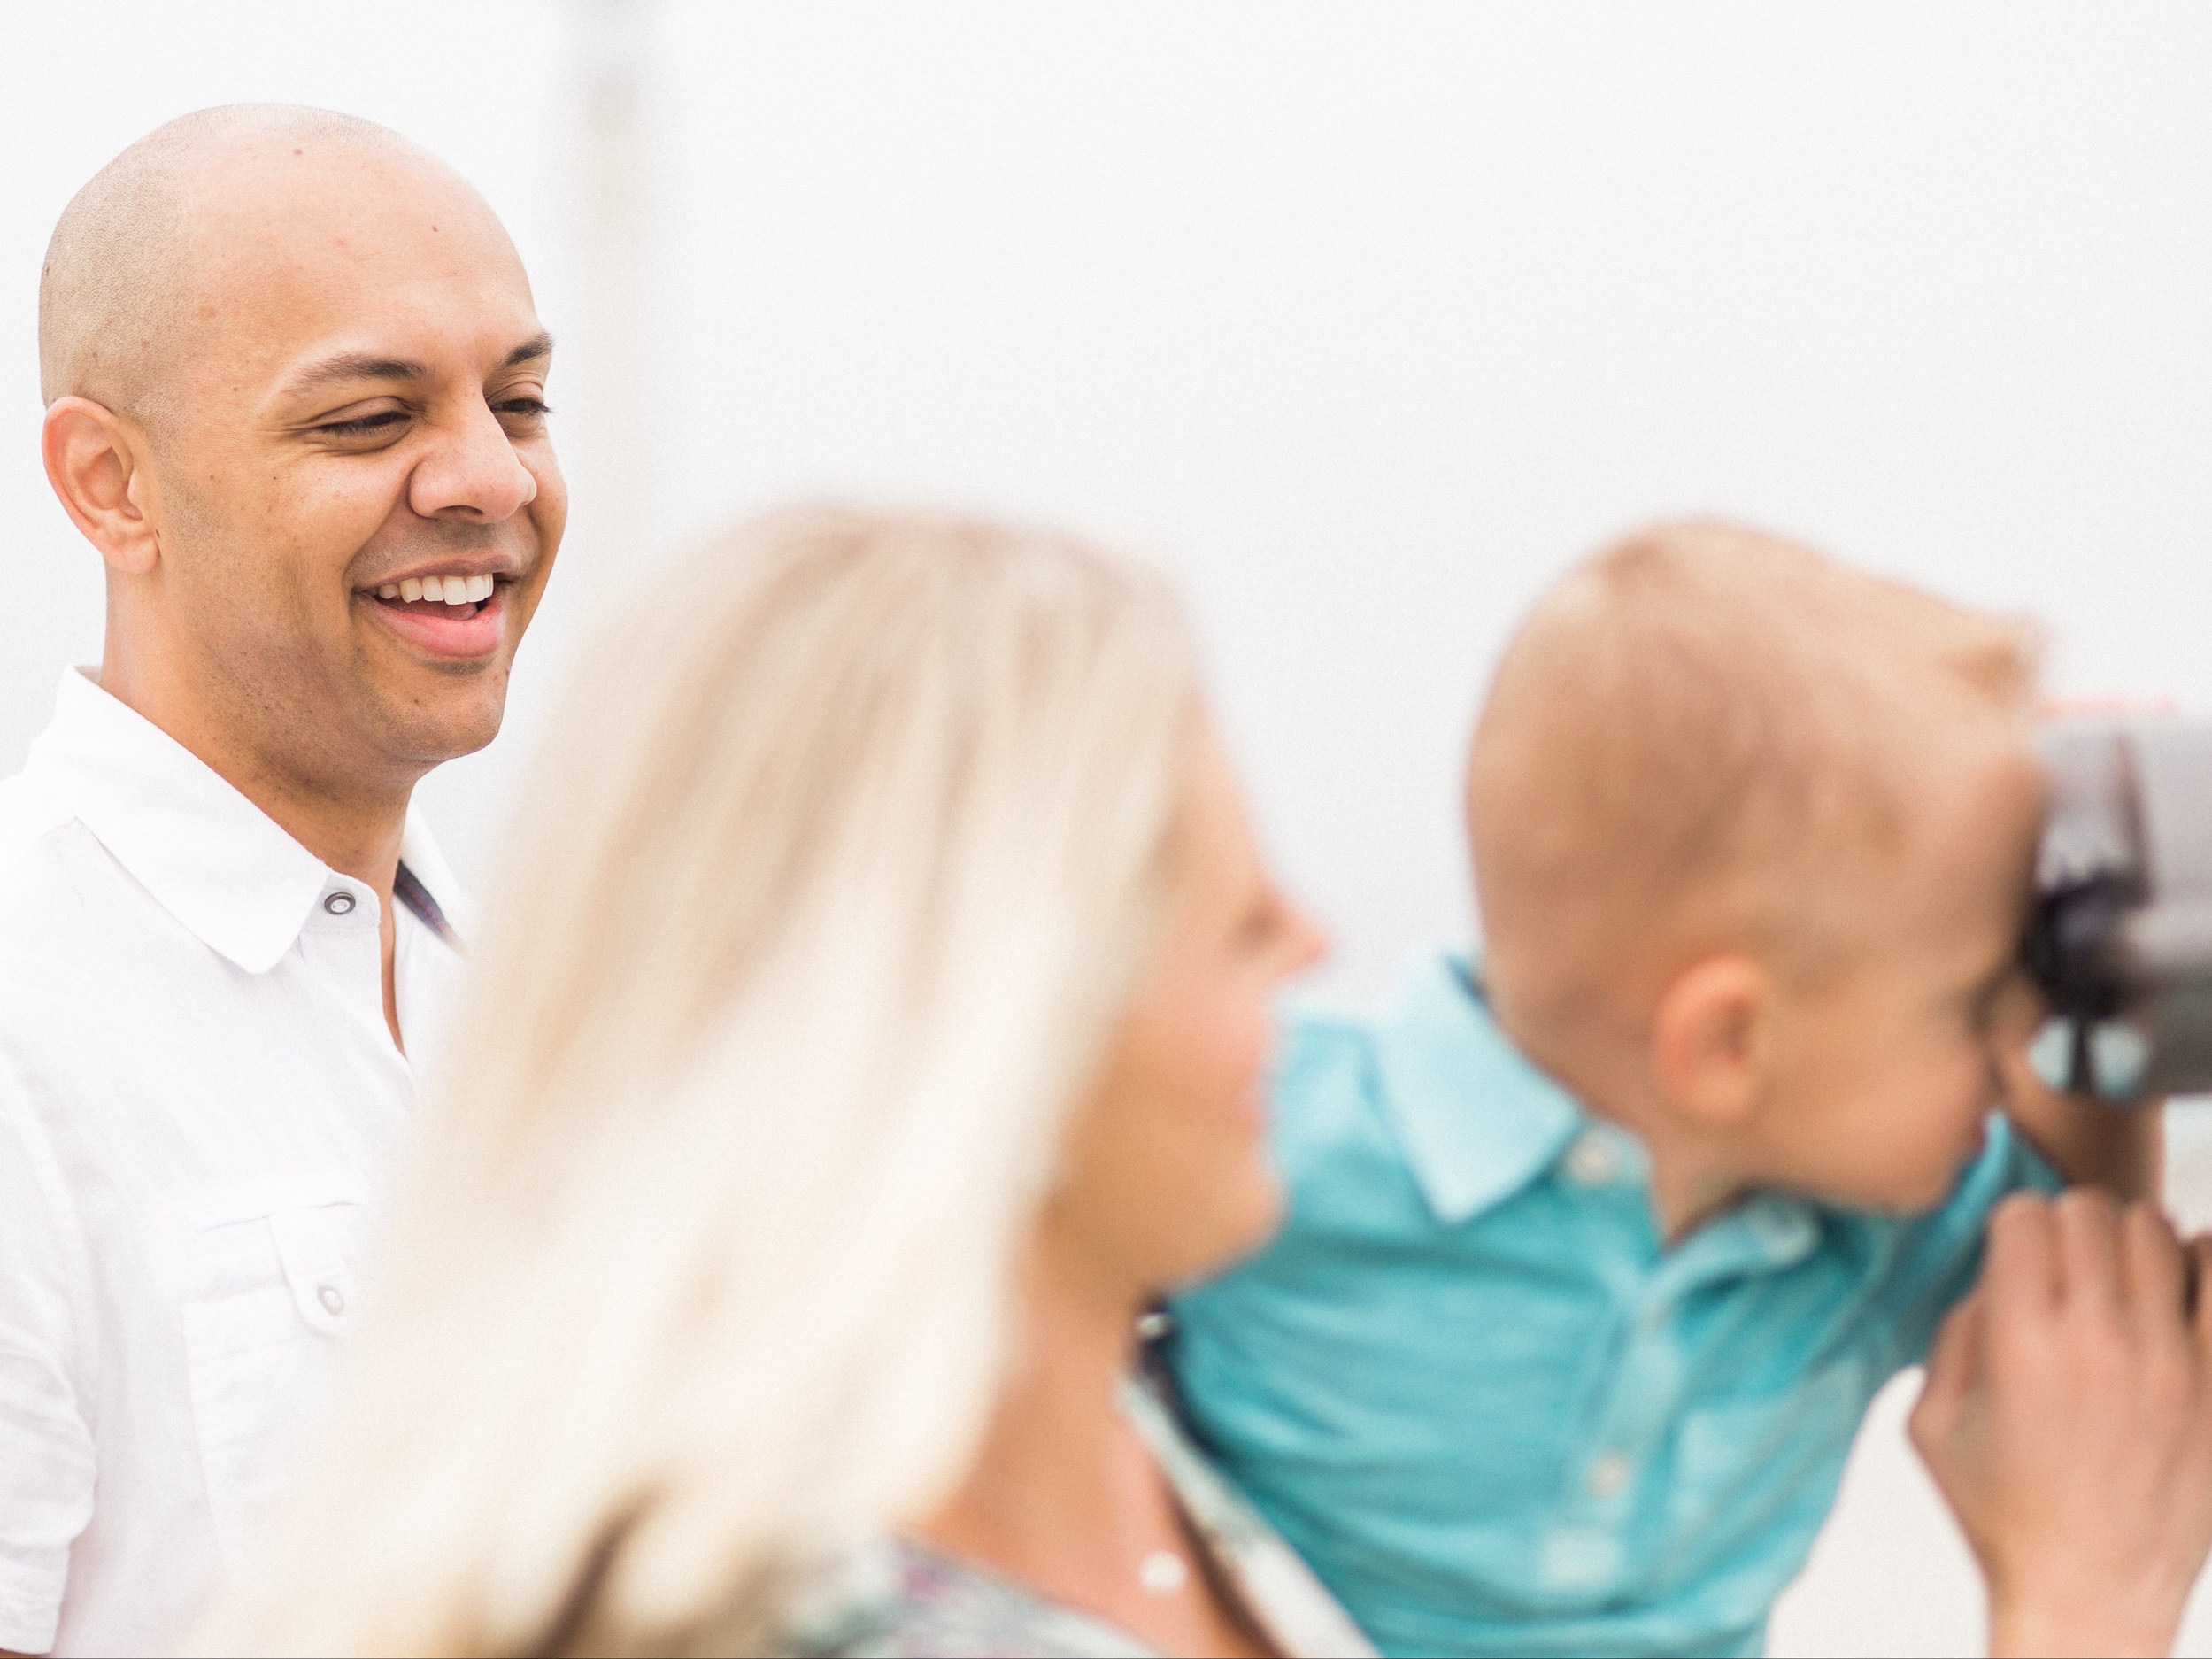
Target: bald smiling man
point(294, 384)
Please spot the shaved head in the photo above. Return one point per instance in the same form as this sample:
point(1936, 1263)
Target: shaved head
point(125, 284)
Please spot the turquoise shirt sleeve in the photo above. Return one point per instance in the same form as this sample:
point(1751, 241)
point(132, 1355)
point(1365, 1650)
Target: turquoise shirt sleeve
point(1939, 1255)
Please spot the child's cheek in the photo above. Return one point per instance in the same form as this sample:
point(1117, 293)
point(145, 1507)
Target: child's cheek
point(1939, 1129)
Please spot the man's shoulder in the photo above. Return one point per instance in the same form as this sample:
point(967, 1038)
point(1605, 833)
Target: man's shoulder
point(30, 813)
point(52, 869)
point(46, 873)
point(87, 956)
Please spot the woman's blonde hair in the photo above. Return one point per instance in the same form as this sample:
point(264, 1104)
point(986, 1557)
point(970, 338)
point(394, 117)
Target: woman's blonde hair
point(822, 911)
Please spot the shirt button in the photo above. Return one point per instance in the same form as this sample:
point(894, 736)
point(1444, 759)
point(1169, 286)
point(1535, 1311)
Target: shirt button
point(339, 904)
point(1594, 1161)
point(331, 1297)
point(1783, 1231)
point(1609, 1474)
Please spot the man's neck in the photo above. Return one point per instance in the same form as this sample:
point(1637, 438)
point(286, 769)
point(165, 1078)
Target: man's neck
point(352, 819)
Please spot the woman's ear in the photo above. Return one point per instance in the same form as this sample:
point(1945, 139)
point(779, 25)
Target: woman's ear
point(97, 463)
point(1711, 1034)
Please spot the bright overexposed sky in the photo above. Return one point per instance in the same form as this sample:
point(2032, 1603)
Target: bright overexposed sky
point(1365, 319)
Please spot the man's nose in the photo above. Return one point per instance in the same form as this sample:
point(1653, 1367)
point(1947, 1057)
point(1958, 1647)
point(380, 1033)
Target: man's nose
point(473, 472)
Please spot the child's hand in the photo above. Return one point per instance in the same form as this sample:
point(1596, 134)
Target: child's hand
point(2068, 1417)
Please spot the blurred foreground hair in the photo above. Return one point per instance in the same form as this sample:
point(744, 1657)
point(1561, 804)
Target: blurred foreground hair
point(820, 918)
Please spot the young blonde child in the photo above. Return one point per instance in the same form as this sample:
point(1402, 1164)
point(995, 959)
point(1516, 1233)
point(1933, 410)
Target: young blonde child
point(1599, 1245)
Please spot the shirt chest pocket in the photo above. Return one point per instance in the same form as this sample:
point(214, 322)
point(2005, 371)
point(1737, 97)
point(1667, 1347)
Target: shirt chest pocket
point(260, 1346)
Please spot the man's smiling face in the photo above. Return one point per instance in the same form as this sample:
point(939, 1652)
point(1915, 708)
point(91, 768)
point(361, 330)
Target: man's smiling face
point(358, 502)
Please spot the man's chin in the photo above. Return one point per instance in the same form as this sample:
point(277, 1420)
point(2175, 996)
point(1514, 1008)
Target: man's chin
point(446, 722)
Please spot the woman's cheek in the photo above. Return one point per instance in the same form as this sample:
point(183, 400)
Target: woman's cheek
point(1246, 1032)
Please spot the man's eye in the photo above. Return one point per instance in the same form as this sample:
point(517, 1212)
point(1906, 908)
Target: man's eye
point(363, 427)
point(524, 408)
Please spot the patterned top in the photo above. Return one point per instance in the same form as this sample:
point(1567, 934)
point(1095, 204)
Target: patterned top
point(901, 1600)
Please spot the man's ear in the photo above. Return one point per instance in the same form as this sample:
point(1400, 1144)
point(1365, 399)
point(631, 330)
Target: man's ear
point(99, 464)
point(1710, 1037)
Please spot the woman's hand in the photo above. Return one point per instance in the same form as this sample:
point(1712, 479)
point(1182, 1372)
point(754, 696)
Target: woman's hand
point(2068, 1417)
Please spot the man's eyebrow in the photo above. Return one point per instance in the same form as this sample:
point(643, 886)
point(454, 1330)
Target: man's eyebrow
point(356, 365)
point(535, 346)
point(366, 366)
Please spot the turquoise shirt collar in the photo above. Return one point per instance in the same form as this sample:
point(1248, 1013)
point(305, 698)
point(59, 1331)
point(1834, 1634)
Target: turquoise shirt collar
point(1477, 1120)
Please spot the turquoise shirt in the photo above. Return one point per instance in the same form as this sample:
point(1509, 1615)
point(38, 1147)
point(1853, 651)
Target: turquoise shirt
point(1474, 1392)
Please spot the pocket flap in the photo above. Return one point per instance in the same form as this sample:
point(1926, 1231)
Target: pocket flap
point(323, 1289)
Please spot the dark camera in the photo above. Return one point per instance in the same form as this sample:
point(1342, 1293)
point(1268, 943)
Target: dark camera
point(2120, 937)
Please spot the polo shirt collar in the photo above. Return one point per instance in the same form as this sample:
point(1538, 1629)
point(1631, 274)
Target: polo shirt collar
point(1478, 1122)
point(208, 855)
point(1477, 1119)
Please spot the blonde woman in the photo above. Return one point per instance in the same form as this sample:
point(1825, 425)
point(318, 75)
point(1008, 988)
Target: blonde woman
point(871, 1027)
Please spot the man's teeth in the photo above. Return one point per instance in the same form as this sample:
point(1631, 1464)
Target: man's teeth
point(451, 590)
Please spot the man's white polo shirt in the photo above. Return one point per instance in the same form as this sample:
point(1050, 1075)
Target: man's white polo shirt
point(199, 1101)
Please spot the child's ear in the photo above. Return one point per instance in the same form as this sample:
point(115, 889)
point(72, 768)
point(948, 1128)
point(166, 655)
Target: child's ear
point(1709, 1039)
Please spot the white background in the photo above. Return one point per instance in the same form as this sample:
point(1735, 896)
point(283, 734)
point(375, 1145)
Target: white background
point(1367, 320)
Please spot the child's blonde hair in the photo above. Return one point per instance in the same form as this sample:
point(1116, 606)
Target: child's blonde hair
point(822, 911)
point(1706, 735)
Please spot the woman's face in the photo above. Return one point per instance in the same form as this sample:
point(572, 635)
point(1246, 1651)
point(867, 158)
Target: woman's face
point(1168, 1176)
